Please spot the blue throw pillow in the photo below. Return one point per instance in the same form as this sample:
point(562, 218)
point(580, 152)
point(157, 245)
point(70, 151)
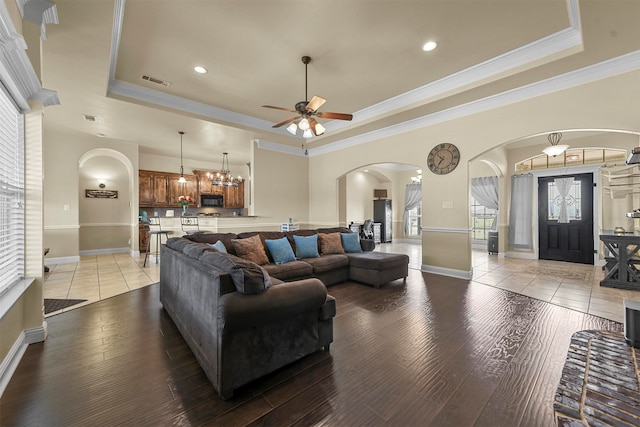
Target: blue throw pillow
point(280, 250)
point(219, 246)
point(306, 246)
point(351, 242)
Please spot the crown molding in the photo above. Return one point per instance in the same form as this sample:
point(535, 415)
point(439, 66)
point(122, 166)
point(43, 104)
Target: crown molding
point(612, 67)
point(281, 148)
point(128, 90)
point(484, 72)
point(16, 71)
point(490, 70)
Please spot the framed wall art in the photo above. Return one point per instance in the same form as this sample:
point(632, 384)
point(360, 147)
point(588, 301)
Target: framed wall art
point(101, 194)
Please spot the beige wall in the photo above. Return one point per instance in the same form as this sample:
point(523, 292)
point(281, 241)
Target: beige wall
point(359, 198)
point(611, 103)
point(63, 188)
point(281, 188)
point(104, 223)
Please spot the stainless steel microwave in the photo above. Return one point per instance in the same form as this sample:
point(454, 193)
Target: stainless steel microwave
point(211, 200)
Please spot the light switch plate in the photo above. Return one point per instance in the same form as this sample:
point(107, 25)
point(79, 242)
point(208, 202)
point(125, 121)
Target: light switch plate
point(447, 205)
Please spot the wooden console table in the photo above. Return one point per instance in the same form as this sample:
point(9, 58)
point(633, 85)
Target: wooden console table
point(621, 268)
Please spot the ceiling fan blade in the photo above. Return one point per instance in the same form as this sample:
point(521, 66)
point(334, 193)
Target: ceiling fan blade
point(284, 122)
point(338, 116)
point(316, 127)
point(315, 103)
point(280, 108)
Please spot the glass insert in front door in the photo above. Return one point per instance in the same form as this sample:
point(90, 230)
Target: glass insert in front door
point(572, 199)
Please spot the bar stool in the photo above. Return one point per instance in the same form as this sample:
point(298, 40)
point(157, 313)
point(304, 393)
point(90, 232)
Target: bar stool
point(155, 230)
point(190, 224)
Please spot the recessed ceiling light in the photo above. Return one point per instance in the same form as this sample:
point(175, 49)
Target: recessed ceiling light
point(366, 170)
point(429, 46)
point(200, 70)
point(100, 135)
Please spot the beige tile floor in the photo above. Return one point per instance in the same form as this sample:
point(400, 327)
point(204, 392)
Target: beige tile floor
point(98, 277)
point(575, 286)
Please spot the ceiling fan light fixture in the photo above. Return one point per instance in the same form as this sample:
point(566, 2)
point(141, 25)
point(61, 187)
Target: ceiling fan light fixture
point(304, 124)
point(307, 112)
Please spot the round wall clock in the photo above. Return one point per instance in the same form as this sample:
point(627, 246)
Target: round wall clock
point(443, 158)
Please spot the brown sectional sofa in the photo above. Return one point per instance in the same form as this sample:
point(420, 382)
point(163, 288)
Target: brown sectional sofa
point(242, 320)
point(372, 268)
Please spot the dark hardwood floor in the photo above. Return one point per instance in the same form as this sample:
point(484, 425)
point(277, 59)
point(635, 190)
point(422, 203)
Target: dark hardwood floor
point(437, 351)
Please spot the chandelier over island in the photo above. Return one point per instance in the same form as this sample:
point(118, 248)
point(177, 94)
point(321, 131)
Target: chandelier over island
point(224, 177)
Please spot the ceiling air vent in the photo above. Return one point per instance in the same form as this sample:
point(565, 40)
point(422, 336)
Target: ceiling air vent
point(156, 81)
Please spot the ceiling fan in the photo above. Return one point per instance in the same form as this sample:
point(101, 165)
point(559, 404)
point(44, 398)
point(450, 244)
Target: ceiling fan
point(307, 111)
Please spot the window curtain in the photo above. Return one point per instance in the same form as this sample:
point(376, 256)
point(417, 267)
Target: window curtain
point(564, 186)
point(412, 199)
point(485, 191)
point(520, 217)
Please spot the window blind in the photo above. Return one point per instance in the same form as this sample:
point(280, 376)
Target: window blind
point(12, 221)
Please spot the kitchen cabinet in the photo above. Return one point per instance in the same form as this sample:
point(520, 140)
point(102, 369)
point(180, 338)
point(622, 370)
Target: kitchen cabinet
point(143, 236)
point(190, 188)
point(204, 183)
point(153, 189)
point(146, 188)
point(161, 189)
point(234, 196)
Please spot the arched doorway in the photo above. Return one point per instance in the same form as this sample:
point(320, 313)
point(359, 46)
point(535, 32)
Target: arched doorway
point(106, 203)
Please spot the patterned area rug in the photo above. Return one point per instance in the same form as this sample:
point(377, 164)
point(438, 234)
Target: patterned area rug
point(565, 274)
point(51, 305)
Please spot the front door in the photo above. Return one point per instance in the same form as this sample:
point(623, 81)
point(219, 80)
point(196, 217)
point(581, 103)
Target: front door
point(570, 239)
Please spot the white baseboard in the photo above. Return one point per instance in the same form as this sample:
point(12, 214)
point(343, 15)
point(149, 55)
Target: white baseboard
point(459, 274)
point(11, 362)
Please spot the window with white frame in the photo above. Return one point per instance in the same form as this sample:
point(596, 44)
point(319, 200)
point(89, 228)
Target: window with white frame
point(415, 218)
point(11, 192)
point(482, 219)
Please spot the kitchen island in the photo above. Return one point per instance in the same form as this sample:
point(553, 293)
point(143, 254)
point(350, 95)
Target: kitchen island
point(622, 260)
point(210, 224)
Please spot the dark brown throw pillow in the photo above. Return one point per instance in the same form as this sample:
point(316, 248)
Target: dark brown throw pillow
point(251, 249)
point(330, 243)
point(247, 277)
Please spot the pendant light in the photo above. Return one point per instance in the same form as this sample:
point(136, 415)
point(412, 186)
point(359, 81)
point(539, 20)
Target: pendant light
point(182, 179)
point(555, 149)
